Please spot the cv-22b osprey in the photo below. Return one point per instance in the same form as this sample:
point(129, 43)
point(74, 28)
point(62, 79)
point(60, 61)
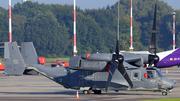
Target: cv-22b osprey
point(88, 72)
point(96, 72)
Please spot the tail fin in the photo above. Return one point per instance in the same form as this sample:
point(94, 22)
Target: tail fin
point(29, 53)
point(14, 63)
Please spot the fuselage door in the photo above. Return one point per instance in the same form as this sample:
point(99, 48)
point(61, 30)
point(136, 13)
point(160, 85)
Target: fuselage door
point(136, 78)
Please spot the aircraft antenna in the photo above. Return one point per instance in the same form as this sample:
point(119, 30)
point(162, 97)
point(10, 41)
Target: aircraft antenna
point(174, 13)
point(131, 31)
point(10, 25)
point(74, 49)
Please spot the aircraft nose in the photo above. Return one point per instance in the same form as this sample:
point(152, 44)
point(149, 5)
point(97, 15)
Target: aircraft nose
point(174, 81)
point(171, 84)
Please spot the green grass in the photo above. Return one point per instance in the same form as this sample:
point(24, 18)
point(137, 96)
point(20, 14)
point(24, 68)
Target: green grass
point(49, 59)
point(167, 99)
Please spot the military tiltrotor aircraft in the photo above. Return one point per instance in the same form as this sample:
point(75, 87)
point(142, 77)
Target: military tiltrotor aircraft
point(96, 72)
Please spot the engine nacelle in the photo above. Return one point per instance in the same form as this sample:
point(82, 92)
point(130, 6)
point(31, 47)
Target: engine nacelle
point(94, 62)
point(98, 57)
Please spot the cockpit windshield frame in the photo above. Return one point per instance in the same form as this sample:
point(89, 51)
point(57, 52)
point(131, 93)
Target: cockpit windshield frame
point(153, 73)
point(160, 73)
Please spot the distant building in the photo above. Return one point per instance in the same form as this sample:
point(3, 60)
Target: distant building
point(26, 0)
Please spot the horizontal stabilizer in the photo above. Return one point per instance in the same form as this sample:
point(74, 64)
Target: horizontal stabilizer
point(2, 47)
point(2, 43)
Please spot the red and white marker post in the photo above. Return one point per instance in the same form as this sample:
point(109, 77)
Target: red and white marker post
point(131, 30)
point(10, 25)
point(74, 48)
point(174, 13)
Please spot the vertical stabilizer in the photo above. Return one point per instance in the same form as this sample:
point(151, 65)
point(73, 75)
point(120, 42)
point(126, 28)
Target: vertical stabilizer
point(29, 53)
point(14, 63)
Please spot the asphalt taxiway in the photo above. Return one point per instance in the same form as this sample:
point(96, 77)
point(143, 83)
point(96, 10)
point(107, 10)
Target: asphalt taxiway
point(40, 88)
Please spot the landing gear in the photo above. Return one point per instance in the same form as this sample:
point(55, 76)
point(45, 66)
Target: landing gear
point(85, 91)
point(164, 93)
point(97, 91)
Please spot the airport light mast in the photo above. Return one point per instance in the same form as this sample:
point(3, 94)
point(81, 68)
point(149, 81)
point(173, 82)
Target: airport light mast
point(131, 30)
point(174, 13)
point(10, 25)
point(74, 49)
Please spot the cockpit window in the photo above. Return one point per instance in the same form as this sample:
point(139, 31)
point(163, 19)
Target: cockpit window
point(160, 73)
point(157, 75)
point(151, 74)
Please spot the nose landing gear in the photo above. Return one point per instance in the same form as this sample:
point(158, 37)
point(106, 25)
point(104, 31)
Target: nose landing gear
point(164, 93)
point(85, 91)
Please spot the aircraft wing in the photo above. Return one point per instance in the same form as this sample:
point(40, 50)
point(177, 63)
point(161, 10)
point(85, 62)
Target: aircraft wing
point(136, 58)
point(135, 52)
point(131, 59)
point(135, 61)
point(127, 65)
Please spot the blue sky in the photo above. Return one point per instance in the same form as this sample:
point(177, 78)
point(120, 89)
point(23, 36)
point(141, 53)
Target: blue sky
point(83, 3)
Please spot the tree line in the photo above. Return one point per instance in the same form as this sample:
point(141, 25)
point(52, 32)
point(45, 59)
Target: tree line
point(50, 27)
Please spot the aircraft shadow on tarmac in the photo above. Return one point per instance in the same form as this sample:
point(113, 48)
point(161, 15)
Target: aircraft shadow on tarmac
point(40, 93)
point(80, 92)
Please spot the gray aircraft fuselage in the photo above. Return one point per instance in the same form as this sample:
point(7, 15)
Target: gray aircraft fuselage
point(87, 72)
point(149, 79)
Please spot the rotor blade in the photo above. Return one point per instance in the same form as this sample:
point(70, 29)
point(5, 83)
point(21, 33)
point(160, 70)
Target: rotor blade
point(117, 48)
point(122, 70)
point(111, 74)
point(152, 47)
point(117, 44)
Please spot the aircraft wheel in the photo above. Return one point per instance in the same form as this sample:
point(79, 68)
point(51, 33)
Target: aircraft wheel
point(85, 92)
point(164, 93)
point(97, 91)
